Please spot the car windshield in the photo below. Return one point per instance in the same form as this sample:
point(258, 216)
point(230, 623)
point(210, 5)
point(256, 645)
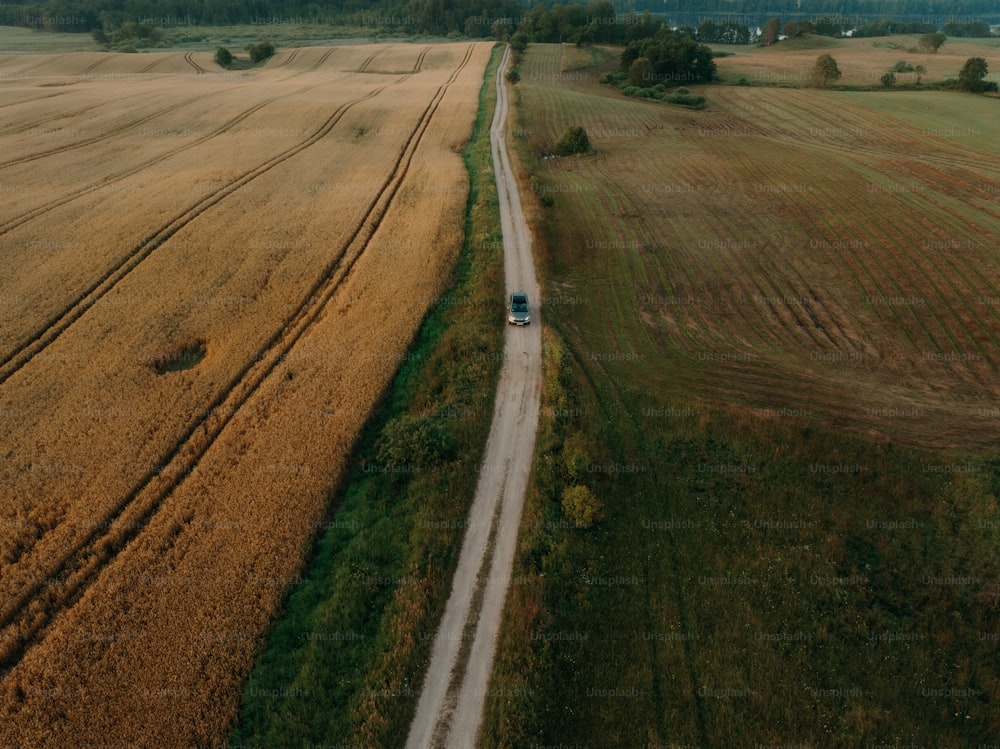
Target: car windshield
point(519, 303)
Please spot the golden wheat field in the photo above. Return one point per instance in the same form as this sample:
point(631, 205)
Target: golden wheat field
point(207, 280)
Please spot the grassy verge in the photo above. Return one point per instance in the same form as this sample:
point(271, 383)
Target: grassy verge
point(346, 659)
point(756, 578)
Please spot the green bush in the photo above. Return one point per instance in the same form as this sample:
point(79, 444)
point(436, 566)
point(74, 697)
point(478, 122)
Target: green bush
point(414, 443)
point(580, 506)
point(223, 57)
point(574, 140)
point(259, 52)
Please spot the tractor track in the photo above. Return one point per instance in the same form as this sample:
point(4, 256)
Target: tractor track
point(420, 60)
point(363, 68)
point(189, 58)
point(94, 66)
point(55, 326)
point(112, 133)
point(16, 129)
point(31, 101)
point(153, 64)
point(323, 58)
point(63, 199)
point(80, 566)
point(288, 60)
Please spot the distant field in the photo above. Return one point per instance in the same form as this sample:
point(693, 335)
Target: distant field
point(16, 39)
point(862, 61)
point(773, 359)
point(208, 280)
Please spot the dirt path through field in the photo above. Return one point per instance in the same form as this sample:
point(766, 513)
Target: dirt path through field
point(450, 708)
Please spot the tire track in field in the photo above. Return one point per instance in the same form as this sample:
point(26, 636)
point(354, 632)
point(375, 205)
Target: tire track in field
point(94, 66)
point(69, 197)
point(363, 68)
point(80, 566)
point(112, 133)
point(323, 58)
point(31, 101)
point(15, 129)
point(188, 57)
point(147, 68)
point(288, 60)
point(420, 60)
point(37, 65)
point(57, 324)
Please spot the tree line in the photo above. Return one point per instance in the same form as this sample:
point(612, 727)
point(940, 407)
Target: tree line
point(595, 21)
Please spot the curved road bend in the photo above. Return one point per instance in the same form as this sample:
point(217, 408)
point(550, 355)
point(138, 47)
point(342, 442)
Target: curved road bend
point(450, 708)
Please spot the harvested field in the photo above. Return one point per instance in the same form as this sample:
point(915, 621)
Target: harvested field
point(862, 61)
point(839, 268)
point(208, 280)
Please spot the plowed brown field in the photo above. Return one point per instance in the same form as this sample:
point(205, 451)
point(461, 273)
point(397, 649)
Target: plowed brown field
point(208, 279)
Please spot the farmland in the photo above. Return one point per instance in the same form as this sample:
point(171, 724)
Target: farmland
point(773, 358)
point(209, 278)
point(862, 61)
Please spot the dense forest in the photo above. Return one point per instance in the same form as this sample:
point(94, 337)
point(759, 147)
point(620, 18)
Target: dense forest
point(598, 21)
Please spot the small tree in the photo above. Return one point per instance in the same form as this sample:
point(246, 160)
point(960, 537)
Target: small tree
point(791, 29)
point(640, 72)
point(223, 57)
point(825, 70)
point(920, 70)
point(519, 42)
point(972, 74)
point(889, 79)
point(769, 34)
point(513, 75)
point(574, 140)
point(580, 506)
point(931, 42)
point(260, 51)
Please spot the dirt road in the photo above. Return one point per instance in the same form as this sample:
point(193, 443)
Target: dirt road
point(450, 708)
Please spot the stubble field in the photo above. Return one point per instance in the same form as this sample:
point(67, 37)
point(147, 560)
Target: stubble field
point(787, 246)
point(208, 280)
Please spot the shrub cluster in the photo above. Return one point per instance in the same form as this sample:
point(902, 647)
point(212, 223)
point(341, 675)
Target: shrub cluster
point(261, 51)
point(657, 92)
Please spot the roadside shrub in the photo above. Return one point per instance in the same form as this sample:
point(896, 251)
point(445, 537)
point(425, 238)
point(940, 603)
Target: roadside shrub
point(513, 75)
point(574, 140)
point(577, 455)
point(889, 79)
point(414, 442)
point(580, 506)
